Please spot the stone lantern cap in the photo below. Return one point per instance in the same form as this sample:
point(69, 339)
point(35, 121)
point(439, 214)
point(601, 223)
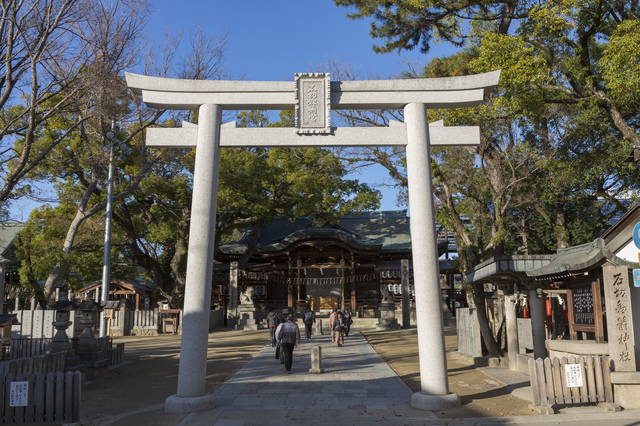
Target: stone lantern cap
point(61, 305)
point(89, 305)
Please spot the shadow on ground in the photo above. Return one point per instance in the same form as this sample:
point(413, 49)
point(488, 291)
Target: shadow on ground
point(134, 394)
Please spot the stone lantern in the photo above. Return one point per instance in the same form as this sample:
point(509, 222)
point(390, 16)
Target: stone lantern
point(89, 308)
point(63, 308)
point(91, 352)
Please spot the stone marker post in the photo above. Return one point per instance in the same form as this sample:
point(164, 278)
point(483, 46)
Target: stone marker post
point(619, 317)
point(316, 360)
point(512, 330)
point(232, 308)
point(406, 294)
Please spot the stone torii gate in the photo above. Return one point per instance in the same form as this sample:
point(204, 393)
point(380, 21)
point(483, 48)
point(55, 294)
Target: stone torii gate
point(312, 96)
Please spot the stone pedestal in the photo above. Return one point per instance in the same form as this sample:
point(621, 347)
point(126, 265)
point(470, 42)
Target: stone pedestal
point(89, 352)
point(318, 331)
point(247, 318)
point(388, 320)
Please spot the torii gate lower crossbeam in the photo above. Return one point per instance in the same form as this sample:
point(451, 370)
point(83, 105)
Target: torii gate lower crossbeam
point(313, 97)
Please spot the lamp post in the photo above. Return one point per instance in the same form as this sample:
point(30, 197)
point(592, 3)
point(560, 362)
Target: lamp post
point(106, 269)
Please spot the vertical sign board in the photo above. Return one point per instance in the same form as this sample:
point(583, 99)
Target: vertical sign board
point(313, 103)
point(583, 313)
point(573, 375)
point(19, 394)
point(619, 320)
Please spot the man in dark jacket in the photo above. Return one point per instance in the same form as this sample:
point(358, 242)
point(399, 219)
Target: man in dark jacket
point(288, 338)
point(309, 318)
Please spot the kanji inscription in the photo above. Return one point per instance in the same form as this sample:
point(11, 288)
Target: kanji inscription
point(313, 97)
point(619, 324)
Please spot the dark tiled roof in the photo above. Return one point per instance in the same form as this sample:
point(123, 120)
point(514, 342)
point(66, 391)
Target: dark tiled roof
point(8, 232)
point(511, 268)
point(386, 231)
point(578, 259)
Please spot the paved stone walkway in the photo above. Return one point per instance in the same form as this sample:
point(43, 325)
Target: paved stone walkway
point(357, 387)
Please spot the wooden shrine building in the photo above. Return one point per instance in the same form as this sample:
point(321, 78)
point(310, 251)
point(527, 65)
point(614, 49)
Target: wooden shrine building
point(327, 266)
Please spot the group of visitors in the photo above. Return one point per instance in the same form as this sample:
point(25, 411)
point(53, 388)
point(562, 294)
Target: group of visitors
point(286, 335)
point(340, 325)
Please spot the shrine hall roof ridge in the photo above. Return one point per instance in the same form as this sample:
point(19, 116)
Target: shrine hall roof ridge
point(383, 230)
point(578, 259)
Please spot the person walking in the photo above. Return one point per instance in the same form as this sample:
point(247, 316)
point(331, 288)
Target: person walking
point(309, 318)
point(272, 321)
point(279, 349)
point(347, 321)
point(332, 319)
point(289, 338)
point(339, 327)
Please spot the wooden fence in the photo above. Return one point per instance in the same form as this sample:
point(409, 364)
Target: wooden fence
point(577, 380)
point(52, 397)
point(26, 347)
point(49, 363)
point(116, 355)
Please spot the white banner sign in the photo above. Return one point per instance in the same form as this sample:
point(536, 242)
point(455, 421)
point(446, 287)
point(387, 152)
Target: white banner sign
point(573, 373)
point(19, 394)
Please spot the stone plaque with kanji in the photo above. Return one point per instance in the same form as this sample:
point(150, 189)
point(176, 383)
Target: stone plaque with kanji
point(619, 320)
point(313, 103)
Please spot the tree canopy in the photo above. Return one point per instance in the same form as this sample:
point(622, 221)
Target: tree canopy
point(549, 171)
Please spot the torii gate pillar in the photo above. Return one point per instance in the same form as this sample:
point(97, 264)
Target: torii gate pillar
point(426, 272)
point(197, 298)
point(317, 95)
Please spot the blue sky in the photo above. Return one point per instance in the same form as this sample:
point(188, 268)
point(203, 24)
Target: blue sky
point(272, 40)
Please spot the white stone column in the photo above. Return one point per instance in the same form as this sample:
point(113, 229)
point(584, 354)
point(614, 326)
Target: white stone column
point(512, 330)
point(434, 383)
point(197, 299)
point(538, 331)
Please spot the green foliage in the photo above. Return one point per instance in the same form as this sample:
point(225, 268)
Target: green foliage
point(257, 184)
point(620, 65)
point(39, 249)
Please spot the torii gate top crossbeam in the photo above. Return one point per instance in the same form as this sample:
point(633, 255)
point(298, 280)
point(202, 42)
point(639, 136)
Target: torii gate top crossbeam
point(179, 94)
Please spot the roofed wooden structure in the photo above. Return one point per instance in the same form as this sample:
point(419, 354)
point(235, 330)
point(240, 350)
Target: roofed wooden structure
point(299, 262)
point(134, 292)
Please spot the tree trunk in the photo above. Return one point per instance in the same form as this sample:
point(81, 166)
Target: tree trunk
point(561, 225)
point(179, 260)
point(54, 276)
point(251, 244)
point(483, 320)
